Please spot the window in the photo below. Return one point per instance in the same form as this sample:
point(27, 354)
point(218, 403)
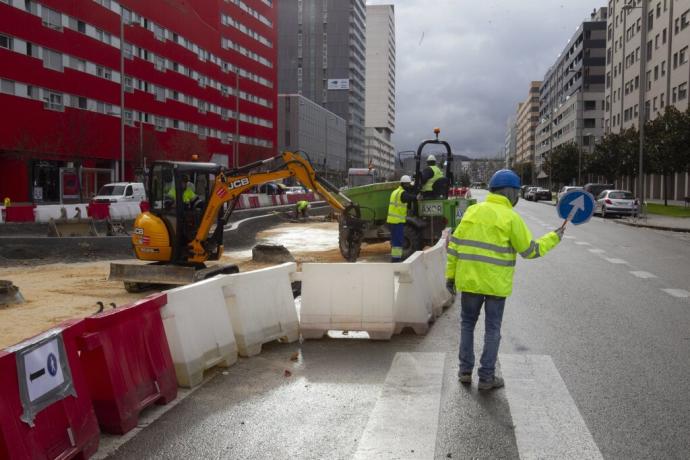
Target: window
point(77, 64)
point(674, 97)
point(656, 72)
point(129, 84)
point(160, 64)
point(31, 6)
point(52, 101)
point(51, 18)
point(128, 51)
point(5, 42)
point(662, 101)
point(160, 123)
point(683, 56)
point(52, 60)
point(81, 102)
point(7, 87)
point(104, 72)
point(159, 91)
point(675, 60)
point(682, 91)
point(31, 50)
point(663, 68)
point(81, 27)
point(684, 20)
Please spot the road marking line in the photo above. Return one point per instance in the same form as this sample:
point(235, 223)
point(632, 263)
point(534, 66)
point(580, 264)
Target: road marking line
point(678, 293)
point(644, 275)
point(596, 251)
point(568, 237)
point(547, 421)
point(616, 261)
point(582, 243)
point(404, 421)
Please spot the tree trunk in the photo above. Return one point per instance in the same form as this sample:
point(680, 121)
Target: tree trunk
point(666, 188)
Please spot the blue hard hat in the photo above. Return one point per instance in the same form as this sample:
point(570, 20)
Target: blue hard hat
point(504, 178)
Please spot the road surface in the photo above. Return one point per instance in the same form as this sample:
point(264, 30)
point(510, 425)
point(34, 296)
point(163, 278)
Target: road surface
point(596, 339)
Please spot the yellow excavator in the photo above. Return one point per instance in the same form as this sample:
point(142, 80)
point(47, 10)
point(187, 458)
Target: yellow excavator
point(190, 204)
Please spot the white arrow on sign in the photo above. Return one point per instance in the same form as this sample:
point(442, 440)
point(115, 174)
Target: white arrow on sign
point(578, 204)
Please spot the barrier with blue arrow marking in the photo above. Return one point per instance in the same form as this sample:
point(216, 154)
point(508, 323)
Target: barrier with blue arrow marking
point(576, 206)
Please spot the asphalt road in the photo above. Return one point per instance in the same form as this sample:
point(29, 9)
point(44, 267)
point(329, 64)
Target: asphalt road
point(595, 359)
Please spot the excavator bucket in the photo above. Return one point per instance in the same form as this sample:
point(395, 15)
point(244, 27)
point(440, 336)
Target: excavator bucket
point(71, 227)
point(9, 294)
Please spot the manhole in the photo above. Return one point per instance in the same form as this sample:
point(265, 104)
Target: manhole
point(9, 294)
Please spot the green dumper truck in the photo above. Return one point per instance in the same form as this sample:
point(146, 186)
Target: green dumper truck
point(427, 217)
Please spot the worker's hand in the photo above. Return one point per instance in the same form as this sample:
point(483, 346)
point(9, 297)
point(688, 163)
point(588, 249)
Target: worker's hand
point(450, 285)
point(559, 231)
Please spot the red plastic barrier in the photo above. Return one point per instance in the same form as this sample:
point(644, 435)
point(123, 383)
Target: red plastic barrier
point(19, 213)
point(254, 202)
point(67, 427)
point(98, 211)
point(127, 361)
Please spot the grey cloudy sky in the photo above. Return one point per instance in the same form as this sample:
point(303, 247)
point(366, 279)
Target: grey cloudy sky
point(463, 65)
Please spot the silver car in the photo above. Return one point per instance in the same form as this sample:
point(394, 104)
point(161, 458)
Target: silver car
point(616, 202)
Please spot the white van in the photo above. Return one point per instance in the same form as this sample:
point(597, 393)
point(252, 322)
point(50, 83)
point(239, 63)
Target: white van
point(119, 192)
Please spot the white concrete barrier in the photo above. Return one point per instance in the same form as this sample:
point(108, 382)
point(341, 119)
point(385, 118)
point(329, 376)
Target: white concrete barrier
point(350, 297)
point(199, 330)
point(261, 306)
point(2, 214)
point(125, 210)
point(44, 213)
point(413, 303)
point(435, 265)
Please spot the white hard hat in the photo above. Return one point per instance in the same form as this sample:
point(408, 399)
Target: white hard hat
point(405, 179)
point(431, 158)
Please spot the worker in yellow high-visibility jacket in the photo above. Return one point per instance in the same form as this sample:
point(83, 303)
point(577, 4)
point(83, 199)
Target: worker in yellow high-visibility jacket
point(397, 216)
point(481, 261)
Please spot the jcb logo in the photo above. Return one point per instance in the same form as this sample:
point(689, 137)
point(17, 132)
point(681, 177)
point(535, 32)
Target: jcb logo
point(238, 183)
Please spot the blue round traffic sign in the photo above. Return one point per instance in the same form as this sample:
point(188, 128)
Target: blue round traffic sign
point(52, 365)
point(576, 206)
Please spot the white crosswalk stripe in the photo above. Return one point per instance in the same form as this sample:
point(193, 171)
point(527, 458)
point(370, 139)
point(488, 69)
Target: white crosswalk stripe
point(547, 421)
point(404, 422)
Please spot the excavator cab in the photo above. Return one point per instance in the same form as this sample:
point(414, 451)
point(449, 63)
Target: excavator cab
point(179, 193)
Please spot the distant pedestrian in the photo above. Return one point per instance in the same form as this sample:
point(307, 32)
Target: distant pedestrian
point(481, 262)
point(397, 216)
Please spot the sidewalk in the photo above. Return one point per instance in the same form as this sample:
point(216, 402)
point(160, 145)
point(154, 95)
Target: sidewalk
point(673, 224)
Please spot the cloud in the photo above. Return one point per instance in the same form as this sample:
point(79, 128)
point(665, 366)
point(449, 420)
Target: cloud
point(463, 65)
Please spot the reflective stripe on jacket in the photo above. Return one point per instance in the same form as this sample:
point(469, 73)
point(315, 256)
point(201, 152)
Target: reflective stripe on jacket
point(397, 209)
point(429, 185)
point(483, 249)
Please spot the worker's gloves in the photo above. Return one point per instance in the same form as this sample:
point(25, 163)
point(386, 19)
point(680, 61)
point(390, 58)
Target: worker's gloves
point(450, 285)
point(559, 231)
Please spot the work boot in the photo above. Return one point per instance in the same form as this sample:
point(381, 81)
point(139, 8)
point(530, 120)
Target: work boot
point(496, 382)
point(465, 377)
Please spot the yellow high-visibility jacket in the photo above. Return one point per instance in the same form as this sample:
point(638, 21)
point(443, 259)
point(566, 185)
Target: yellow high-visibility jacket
point(483, 249)
point(397, 208)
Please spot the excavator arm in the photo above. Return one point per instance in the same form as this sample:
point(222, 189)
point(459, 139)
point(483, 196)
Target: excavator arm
point(229, 185)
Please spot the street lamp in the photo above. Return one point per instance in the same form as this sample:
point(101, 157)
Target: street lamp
point(643, 89)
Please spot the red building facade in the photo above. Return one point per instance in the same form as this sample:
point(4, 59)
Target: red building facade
point(199, 79)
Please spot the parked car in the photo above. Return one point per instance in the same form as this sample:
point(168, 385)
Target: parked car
point(565, 190)
point(295, 189)
point(538, 193)
point(523, 190)
point(596, 189)
point(121, 192)
point(271, 188)
point(616, 202)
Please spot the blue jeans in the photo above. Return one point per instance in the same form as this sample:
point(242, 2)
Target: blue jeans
point(493, 314)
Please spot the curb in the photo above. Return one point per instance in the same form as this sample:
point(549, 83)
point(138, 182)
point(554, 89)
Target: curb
point(655, 227)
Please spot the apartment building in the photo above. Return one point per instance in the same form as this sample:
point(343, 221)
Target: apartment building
point(666, 68)
point(380, 89)
point(572, 94)
point(185, 78)
point(510, 146)
point(527, 119)
point(666, 71)
point(321, 56)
